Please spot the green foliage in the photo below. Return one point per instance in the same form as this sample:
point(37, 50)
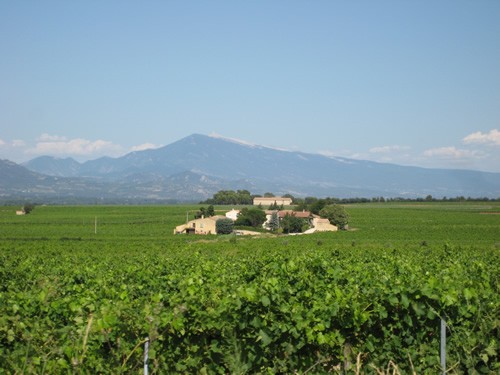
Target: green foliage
point(231, 197)
point(292, 224)
point(224, 226)
point(274, 223)
point(28, 207)
point(85, 304)
point(273, 206)
point(336, 214)
point(253, 217)
point(205, 212)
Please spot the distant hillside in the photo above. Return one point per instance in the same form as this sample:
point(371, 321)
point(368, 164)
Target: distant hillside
point(197, 166)
point(19, 183)
point(15, 176)
point(51, 166)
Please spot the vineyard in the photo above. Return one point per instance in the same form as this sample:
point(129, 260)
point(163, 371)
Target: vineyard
point(82, 288)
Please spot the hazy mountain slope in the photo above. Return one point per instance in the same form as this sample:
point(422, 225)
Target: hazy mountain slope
point(13, 175)
point(209, 163)
point(17, 182)
point(62, 167)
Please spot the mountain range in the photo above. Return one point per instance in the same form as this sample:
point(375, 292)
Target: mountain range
point(197, 166)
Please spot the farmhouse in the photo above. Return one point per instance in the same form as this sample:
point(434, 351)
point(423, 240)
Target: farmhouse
point(317, 223)
point(204, 225)
point(267, 201)
point(207, 225)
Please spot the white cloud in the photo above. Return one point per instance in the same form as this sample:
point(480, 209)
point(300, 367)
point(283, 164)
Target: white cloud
point(56, 145)
point(491, 138)
point(51, 138)
point(450, 153)
point(453, 157)
point(18, 143)
point(388, 149)
point(144, 146)
point(2, 143)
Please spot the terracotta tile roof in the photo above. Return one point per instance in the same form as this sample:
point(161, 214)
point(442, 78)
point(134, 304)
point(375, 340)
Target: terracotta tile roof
point(301, 214)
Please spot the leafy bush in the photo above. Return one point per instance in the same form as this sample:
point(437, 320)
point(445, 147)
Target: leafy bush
point(253, 217)
point(280, 309)
point(224, 226)
point(336, 214)
point(292, 224)
point(28, 207)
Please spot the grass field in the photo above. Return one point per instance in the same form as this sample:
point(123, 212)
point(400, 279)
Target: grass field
point(377, 224)
point(81, 298)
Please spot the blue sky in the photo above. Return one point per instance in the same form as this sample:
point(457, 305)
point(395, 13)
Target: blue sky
point(406, 82)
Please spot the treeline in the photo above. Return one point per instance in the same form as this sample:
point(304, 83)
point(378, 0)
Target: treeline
point(314, 204)
point(227, 197)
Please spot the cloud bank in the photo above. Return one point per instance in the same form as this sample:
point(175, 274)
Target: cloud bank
point(491, 138)
point(450, 153)
point(58, 145)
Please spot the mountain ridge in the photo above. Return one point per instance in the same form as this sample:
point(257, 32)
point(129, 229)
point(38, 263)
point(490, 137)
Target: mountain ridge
point(220, 163)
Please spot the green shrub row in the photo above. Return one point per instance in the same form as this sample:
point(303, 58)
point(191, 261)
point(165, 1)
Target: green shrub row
point(251, 306)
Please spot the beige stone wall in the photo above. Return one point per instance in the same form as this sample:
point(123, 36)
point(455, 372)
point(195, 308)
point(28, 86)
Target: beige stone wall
point(268, 201)
point(323, 225)
point(204, 226)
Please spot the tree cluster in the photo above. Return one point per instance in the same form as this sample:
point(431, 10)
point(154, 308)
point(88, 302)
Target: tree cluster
point(205, 212)
point(251, 217)
point(228, 197)
point(314, 205)
point(275, 206)
point(293, 224)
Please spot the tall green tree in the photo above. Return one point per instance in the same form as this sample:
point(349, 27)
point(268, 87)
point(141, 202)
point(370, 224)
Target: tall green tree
point(205, 212)
point(273, 206)
point(28, 207)
point(252, 217)
point(224, 226)
point(336, 214)
point(274, 223)
point(292, 224)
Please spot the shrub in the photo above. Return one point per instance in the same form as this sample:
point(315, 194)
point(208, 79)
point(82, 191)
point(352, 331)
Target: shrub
point(336, 214)
point(224, 226)
point(28, 207)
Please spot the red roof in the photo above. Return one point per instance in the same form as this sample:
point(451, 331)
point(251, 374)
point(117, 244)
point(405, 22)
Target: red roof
point(301, 214)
